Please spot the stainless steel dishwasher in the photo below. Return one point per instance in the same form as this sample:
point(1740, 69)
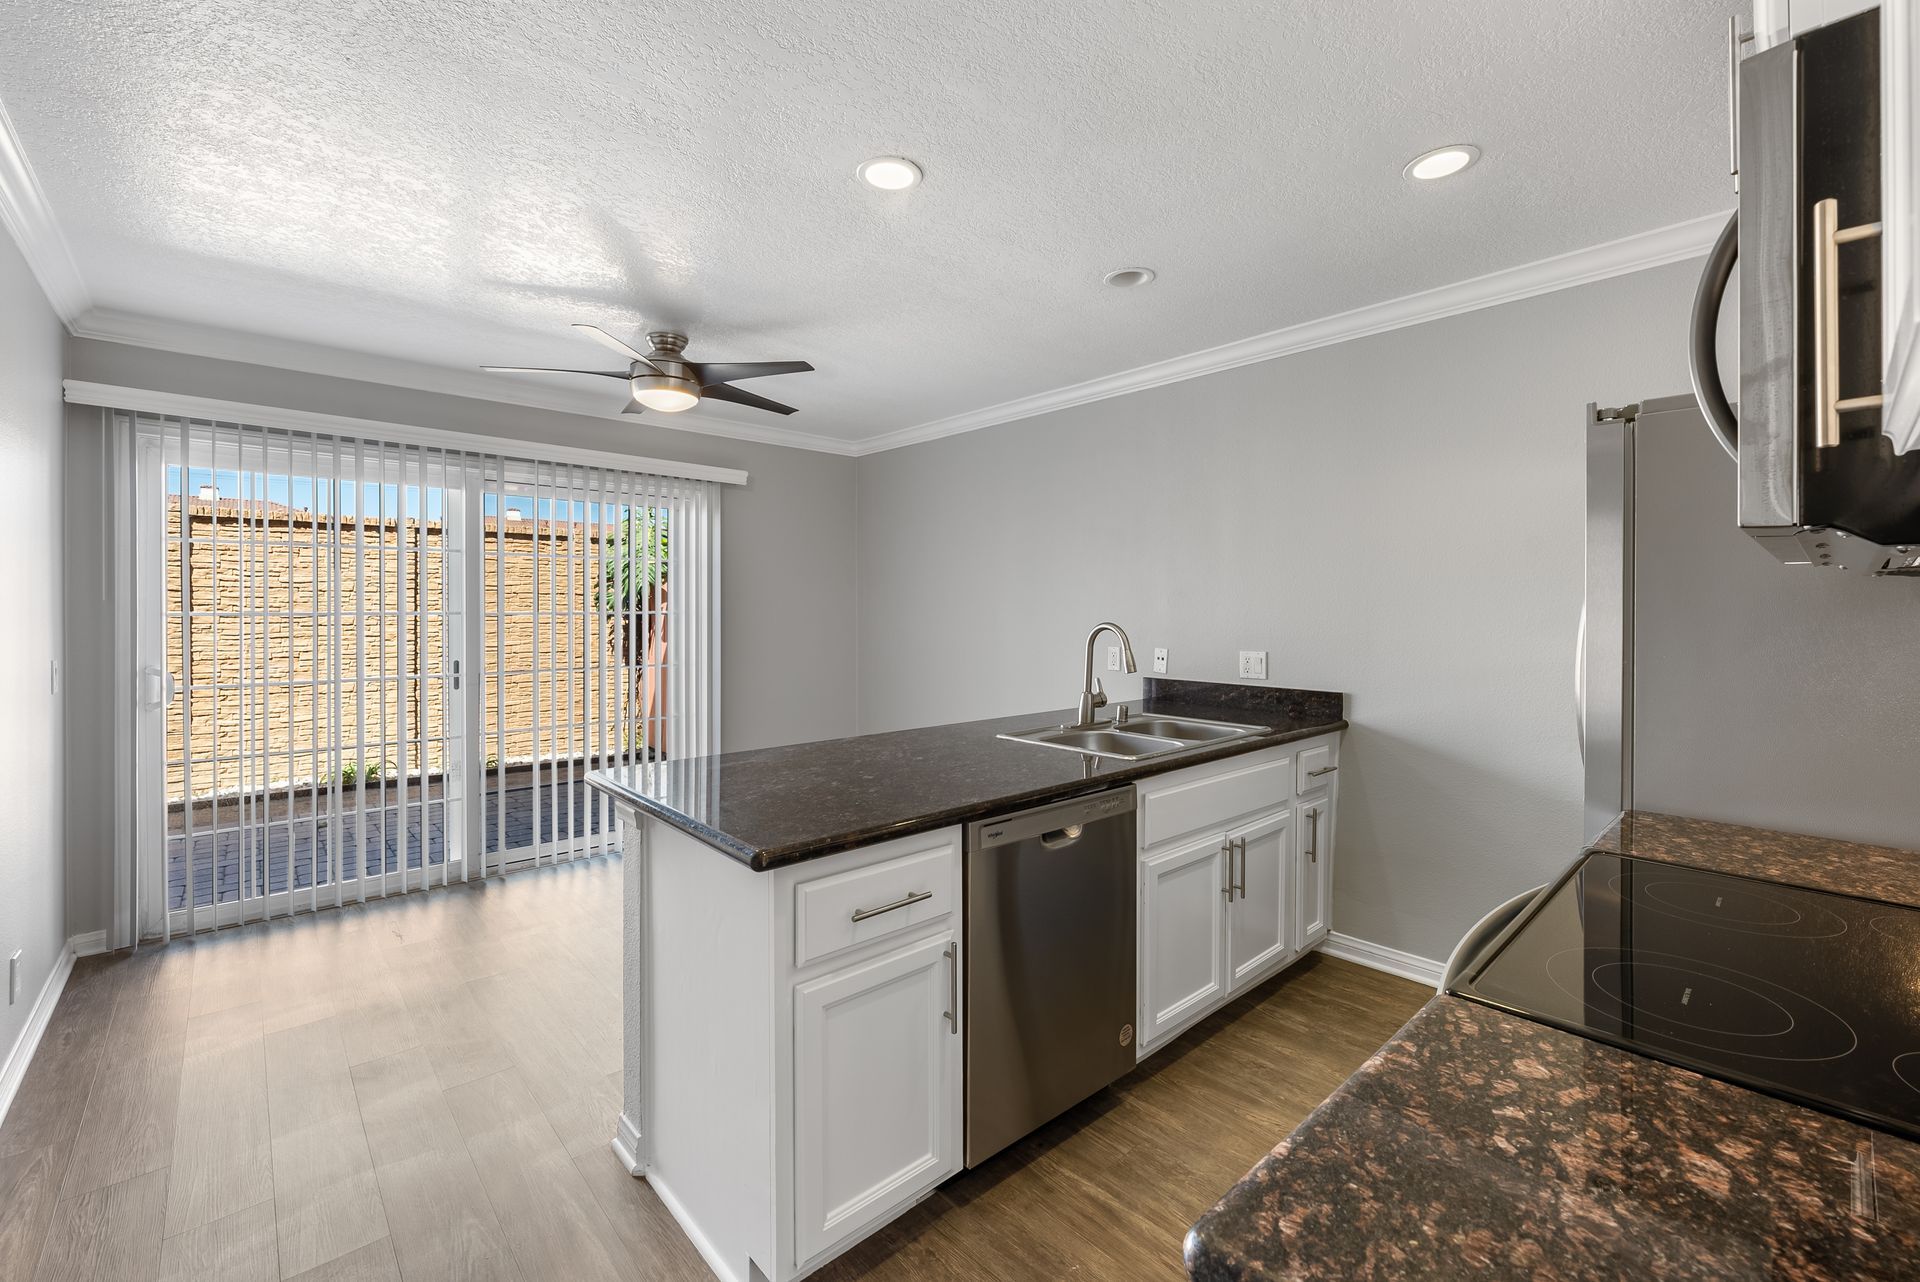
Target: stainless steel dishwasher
point(1050, 994)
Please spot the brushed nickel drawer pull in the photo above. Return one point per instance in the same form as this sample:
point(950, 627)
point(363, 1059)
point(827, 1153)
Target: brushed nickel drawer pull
point(861, 914)
point(1322, 770)
point(1313, 829)
point(953, 988)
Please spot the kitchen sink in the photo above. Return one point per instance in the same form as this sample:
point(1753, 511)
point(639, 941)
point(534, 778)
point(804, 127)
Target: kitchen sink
point(1135, 740)
point(1189, 732)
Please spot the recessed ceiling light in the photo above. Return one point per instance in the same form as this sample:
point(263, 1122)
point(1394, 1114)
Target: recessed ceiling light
point(890, 173)
point(1442, 161)
point(1128, 277)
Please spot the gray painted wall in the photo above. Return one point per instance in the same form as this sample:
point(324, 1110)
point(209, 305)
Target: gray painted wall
point(1783, 698)
point(32, 882)
point(787, 574)
point(1400, 517)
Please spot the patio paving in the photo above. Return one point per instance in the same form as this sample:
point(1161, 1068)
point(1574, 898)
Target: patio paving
point(293, 840)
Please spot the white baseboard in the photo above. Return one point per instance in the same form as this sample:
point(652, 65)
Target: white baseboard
point(1421, 970)
point(14, 1071)
point(722, 1269)
point(626, 1146)
point(89, 944)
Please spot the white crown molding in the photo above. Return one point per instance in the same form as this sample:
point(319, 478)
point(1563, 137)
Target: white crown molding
point(145, 400)
point(13, 1070)
point(1675, 243)
point(1364, 952)
point(1657, 248)
point(191, 339)
point(29, 219)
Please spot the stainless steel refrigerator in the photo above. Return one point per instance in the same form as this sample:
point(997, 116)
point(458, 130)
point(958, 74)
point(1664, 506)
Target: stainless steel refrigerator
point(1714, 682)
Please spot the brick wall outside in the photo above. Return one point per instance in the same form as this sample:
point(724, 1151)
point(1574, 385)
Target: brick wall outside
point(301, 629)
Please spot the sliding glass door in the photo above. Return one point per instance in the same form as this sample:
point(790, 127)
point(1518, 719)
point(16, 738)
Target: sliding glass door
point(370, 667)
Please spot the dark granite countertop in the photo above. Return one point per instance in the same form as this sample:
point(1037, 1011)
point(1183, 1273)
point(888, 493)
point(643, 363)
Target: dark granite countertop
point(1478, 1143)
point(1824, 863)
point(775, 806)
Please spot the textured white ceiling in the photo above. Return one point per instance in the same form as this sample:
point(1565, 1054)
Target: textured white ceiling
point(452, 183)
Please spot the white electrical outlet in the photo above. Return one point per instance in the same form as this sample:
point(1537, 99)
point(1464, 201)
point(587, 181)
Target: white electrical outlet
point(13, 977)
point(1113, 658)
point(1159, 658)
point(1253, 664)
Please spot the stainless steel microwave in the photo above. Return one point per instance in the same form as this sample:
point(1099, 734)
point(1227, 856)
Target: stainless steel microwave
point(1819, 482)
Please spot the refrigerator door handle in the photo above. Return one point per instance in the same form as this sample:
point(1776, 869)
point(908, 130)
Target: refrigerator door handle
point(1580, 683)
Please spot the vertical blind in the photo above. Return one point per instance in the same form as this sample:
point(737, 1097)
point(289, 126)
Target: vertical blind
point(371, 667)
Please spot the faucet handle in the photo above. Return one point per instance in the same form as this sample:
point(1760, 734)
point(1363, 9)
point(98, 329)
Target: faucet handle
point(1099, 694)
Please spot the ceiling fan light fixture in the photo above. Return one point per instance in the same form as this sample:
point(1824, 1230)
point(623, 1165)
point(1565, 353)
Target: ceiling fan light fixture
point(666, 394)
point(889, 173)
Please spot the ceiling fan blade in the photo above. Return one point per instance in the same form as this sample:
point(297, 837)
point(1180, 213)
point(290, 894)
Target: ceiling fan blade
point(631, 407)
point(535, 369)
point(599, 335)
point(722, 392)
point(734, 371)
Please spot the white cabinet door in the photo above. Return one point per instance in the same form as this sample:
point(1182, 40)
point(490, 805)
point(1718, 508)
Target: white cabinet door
point(1315, 864)
point(1182, 935)
point(877, 1089)
point(1260, 922)
point(1900, 216)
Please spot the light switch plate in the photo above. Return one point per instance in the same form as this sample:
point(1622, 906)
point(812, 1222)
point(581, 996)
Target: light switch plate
point(1113, 658)
point(1159, 658)
point(1253, 664)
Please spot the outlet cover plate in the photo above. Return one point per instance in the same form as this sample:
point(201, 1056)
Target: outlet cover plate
point(1159, 658)
point(1113, 658)
point(1253, 665)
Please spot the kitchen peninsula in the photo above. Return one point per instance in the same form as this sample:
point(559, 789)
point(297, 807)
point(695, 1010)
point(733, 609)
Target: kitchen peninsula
point(794, 973)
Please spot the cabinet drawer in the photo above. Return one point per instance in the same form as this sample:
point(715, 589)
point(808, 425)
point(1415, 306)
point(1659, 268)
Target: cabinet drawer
point(1212, 796)
point(840, 910)
point(1316, 766)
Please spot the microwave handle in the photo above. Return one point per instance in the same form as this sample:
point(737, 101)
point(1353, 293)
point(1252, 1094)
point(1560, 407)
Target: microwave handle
point(1703, 357)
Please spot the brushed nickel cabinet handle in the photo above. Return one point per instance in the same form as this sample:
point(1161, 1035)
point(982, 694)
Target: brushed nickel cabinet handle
point(1828, 404)
point(1322, 770)
point(953, 988)
point(1240, 844)
point(1313, 835)
point(1226, 848)
point(861, 914)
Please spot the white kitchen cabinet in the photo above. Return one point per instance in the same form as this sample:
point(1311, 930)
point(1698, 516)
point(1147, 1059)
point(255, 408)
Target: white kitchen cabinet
point(1313, 821)
point(1183, 935)
point(1260, 917)
point(1225, 898)
point(1900, 217)
point(794, 1041)
point(877, 1089)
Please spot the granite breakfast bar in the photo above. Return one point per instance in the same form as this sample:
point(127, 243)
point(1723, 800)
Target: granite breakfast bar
point(1480, 1144)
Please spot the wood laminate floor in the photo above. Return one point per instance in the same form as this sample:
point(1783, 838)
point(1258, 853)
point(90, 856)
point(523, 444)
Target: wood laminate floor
point(423, 1089)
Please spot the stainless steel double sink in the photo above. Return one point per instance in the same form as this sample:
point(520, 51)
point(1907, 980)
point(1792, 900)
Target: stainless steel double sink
point(1136, 739)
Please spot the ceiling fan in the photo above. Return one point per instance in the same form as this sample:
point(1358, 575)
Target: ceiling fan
point(665, 380)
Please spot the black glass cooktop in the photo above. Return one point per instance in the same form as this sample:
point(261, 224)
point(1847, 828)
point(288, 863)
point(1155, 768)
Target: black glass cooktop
point(1801, 993)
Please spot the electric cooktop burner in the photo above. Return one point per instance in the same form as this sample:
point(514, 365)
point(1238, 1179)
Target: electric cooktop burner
point(1798, 992)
